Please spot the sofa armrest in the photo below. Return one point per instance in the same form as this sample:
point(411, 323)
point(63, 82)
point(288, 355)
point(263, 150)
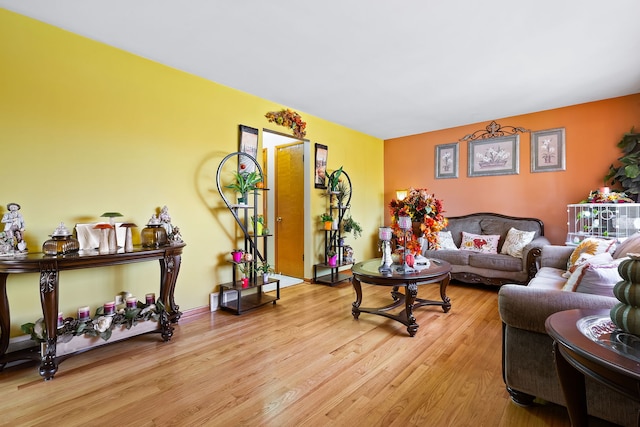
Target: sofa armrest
point(531, 253)
point(555, 256)
point(527, 308)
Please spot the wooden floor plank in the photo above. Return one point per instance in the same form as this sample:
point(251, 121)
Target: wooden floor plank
point(303, 361)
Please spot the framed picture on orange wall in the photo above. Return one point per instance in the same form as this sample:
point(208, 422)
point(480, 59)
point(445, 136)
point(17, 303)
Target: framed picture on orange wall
point(548, 150)
point(447, 161)
point(494, 156)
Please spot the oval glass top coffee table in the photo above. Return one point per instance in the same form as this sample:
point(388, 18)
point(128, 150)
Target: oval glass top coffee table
point(367, 271)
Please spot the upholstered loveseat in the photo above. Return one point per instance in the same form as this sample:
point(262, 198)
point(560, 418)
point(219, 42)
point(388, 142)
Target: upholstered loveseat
point(489, 268)
point(528, 363)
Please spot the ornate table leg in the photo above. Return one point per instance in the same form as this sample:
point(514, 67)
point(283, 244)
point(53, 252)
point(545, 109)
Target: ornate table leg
point(49, 301)
point(169, 268)
point(395, 294)
point(5, 319)
point(356, 305)
point(411, 291)
point(446, 306)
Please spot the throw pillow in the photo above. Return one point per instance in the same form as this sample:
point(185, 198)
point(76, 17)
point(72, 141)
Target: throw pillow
point(483, 243)
point(603, 258)
point(516, 241)
point(630, 245)
point(596, 279)
point(446, 240)
point(588, 248)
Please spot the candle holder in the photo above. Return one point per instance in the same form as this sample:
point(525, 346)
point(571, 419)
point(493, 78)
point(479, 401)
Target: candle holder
point(150, 298)
point(384, 234)
point(404, 222)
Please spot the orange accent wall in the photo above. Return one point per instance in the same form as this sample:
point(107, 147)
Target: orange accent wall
point(592, 131)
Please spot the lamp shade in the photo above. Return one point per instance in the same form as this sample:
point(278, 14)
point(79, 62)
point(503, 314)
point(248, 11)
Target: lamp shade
point(401, 194)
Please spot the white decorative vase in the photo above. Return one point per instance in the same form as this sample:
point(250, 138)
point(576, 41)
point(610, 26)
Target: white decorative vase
point(103, 248)
point(128, 241)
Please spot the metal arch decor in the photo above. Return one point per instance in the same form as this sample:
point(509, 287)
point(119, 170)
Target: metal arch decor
point(493, 130)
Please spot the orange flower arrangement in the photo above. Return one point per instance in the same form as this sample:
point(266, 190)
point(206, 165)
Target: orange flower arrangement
point(289, 119)
point(423, 207)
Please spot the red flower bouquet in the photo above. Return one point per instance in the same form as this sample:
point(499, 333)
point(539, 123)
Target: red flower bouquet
point(423, 207)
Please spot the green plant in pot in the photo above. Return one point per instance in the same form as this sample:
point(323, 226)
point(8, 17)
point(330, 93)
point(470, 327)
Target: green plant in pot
point(327, 220)
point(627, 174)
point(334, 179)
point(332, 257)
point(245, 182)
point(265, 269)
point(343, 193)
point(349, 225)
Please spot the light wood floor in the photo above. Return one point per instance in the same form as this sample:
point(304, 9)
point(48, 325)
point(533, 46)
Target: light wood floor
point(302, 362)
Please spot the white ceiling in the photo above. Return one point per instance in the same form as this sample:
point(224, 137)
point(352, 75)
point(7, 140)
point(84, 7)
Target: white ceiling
point(385, 68)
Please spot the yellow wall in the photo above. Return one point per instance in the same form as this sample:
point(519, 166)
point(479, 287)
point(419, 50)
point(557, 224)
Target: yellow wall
point(87, 128)
point(592, 131)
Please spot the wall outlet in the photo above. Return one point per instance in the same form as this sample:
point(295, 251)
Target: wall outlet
point(118, 299)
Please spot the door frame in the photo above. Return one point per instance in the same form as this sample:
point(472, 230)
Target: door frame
point(271, 139)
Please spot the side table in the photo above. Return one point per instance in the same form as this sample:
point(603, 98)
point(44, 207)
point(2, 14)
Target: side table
point(587, 343)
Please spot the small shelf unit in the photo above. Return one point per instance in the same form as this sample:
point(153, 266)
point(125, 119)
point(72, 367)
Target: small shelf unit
point(250, 295)
point(323, 272)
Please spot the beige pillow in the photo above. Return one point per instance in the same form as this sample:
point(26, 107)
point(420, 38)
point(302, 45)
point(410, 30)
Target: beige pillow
point(630, 245)
point(515, 242)
point(594, 277)
point(588, 248)
point(446, 241)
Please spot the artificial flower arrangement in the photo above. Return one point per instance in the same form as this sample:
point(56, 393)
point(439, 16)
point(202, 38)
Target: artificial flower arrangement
point(100, 326)
point(423, 207)
point(607, 196)
point(289, 119)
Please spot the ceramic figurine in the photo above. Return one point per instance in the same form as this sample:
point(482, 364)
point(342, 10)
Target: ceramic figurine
point(14, 227)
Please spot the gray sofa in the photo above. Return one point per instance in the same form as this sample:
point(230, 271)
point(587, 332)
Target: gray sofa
point(528, 363)
point(491, 269)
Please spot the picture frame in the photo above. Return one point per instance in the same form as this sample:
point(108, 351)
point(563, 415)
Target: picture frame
point(320, 175)
point(248, 143)
point(548, 150)
point(494, 156)
point(447, 161)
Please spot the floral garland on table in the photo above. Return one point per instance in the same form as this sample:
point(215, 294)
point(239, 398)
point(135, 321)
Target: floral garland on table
point(423, 207)
point(101, 326)
point(289, 119)
point(613, 196)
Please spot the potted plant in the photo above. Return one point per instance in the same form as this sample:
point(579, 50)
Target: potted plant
point(245, 182)
point(628, 172)
point(334, 179)
point(349, 225)
point(264, 268)
point(343, 192)
point(245, 269)
point(327, 220)
point(236, 254)
point(332, 258)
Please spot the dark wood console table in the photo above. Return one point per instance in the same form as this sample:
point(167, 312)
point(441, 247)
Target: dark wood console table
point(49, 268)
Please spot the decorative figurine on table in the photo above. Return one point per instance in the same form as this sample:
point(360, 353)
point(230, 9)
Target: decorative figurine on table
point(165, 219)
point(173, 232)
point(14, 227)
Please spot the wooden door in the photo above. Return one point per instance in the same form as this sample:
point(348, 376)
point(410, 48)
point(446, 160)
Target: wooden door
point(289, 210)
